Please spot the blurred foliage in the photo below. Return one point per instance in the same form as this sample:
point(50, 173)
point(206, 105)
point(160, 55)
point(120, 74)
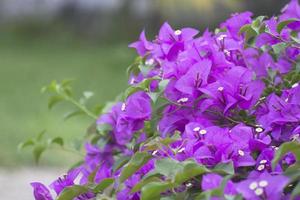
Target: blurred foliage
point(26, 65)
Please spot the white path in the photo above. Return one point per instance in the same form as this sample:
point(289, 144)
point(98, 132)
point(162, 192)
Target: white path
point(15, 183)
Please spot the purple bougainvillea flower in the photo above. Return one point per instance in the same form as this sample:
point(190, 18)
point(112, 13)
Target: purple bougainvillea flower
point(236, 21)
point(94, 155)
point(128, 117)
point(215, 146)
point(236, 88)
point(196, 77)
point(143, 45)
point(137, 106)
point(217, 98)
point(241, 153)
point(40, 191)
point(281, 114)
point(213, 181)
point(264, 186)
point(172, 42)
point(65, 181)
point(291, 10)
point(264, 161)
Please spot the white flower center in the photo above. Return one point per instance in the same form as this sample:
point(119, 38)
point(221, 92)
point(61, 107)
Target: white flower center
point(259, 130)
point(263, 161)
point(295, 85)
point(123, 107)
point(183, 100)
point(177, 32)
point(221, 37)
point(154, 152)
point(203, 132)
point(260, 167)
point(263, 183)
point(286, 100)
point(253, 185)
point(241, 152)
point(259, 191)
point(149, 61)
point(227, 52)
point(196, 129)
point(189, 185)
point(220, 89)
point(181, 150)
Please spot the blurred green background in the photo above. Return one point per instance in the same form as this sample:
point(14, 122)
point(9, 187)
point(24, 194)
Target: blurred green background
point(84, 40)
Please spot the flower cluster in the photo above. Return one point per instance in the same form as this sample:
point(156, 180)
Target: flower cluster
point(196, 106)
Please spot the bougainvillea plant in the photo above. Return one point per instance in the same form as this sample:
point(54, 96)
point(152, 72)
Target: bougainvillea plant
point(211, 116)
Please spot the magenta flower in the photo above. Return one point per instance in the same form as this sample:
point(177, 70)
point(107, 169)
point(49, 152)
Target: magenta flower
point(265, 186)
point(213, 181)
point(236, 21)
point(40, 191)
point(143, 45)
point(65, 181)
point(215, 99)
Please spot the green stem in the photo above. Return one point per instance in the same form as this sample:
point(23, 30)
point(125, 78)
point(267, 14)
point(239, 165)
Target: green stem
point(80, 106)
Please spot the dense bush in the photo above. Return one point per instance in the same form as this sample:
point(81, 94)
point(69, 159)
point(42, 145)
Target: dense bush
point(215, 116)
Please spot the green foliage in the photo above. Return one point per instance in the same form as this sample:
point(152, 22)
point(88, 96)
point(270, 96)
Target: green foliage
point(293, 147)
point(284, 23)
point(63, 92)
point(39, 145)
point(69, 193)
point(135, 163)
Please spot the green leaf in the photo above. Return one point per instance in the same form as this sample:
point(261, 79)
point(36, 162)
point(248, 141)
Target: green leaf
point(144, 69)
point(168, 167)
point(283, 24)
point(98, 109)
point(224, 168)
point(67, 82)
point(296, 191)
point(144, 182)
point(72, 114)
point(134, 67)
point(256, 24)
point(53, 100)
point(105, 183)
point(293, 147)
point(25, 144)
point(207, 195)
point(154, 96)
point(52, 87)
point(103, 128)
point(37, 151)
point(57, 140)
point(163, 84)
point(279, 47)
point(88, 94)
point(135, 163)
point(248, 31)
point(40, 136)
point(69, 193)
point(294, 36)
point(190, 170)
point(131, 90)
point(293, 172)
point(153, 190)
point(142, 86)
point(156, 142)
point(91, 177)
point(298, 67)
point(120, 162)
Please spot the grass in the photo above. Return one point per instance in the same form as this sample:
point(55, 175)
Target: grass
point(26, 66)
